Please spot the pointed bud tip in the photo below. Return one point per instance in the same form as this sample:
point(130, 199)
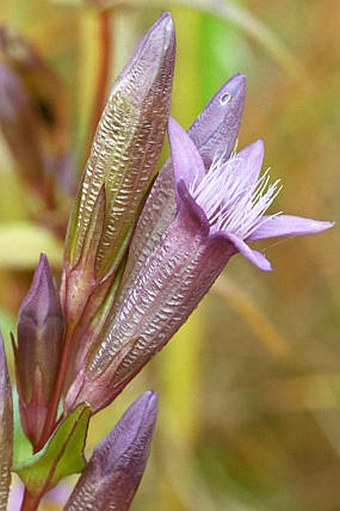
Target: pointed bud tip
point(148, 400)
point(145, 408)
point(152, 60)
point(235, 87)
point(41, 283)
point(164, 24)
point(135, 427)
point(43, 264)
point(159, 39)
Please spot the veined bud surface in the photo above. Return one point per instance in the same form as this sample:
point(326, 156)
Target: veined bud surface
point(39, 349)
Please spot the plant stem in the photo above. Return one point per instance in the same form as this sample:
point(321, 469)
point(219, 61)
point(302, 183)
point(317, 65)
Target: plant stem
point(30, 502)
point(103, 74)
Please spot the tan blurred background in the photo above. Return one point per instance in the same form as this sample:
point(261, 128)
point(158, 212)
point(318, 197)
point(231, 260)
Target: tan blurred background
point(250, 388)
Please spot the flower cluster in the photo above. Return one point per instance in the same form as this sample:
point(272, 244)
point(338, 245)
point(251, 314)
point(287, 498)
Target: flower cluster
point(141, 252)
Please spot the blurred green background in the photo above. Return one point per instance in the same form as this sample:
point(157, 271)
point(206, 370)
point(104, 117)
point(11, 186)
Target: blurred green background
point(250, 388)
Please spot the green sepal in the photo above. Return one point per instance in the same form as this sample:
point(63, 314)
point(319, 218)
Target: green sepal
point(61, 456)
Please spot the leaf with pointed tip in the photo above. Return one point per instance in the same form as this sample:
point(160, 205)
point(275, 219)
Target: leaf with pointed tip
point(6, 428)
point(61, 456)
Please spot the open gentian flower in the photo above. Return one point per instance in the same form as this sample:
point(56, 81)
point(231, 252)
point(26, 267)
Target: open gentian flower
point(219, 210)
point(230, 198)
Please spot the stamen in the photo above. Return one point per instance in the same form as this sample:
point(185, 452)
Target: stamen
point(230, 201)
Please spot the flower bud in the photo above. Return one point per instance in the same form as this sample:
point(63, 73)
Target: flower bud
point(37, 356)
point(111, 478)
point(118, 174)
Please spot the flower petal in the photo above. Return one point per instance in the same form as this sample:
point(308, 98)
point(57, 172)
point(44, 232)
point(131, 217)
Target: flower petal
point(187, 161)
point(215, 131)
point(287, 225)
point(255, 257)
point(253, 156)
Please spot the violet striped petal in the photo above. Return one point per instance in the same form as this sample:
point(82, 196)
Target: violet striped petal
point(287, 225)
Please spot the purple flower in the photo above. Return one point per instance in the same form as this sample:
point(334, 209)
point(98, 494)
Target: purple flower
point(111, 478)
point(219, 210)
point(230, 199)
point(221, 207)
point(214, 133)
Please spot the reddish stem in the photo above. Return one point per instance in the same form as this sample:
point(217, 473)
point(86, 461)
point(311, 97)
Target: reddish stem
point(103, 76)
point(30, 502)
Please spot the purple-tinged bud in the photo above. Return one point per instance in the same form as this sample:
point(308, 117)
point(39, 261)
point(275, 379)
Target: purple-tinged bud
point(37, 356)
point(112, 476)
point(122, 161)
point(6, 428)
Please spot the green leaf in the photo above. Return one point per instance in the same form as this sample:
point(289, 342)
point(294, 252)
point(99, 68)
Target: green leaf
point(22, 448)
point(62, 455)
point(21, 244)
